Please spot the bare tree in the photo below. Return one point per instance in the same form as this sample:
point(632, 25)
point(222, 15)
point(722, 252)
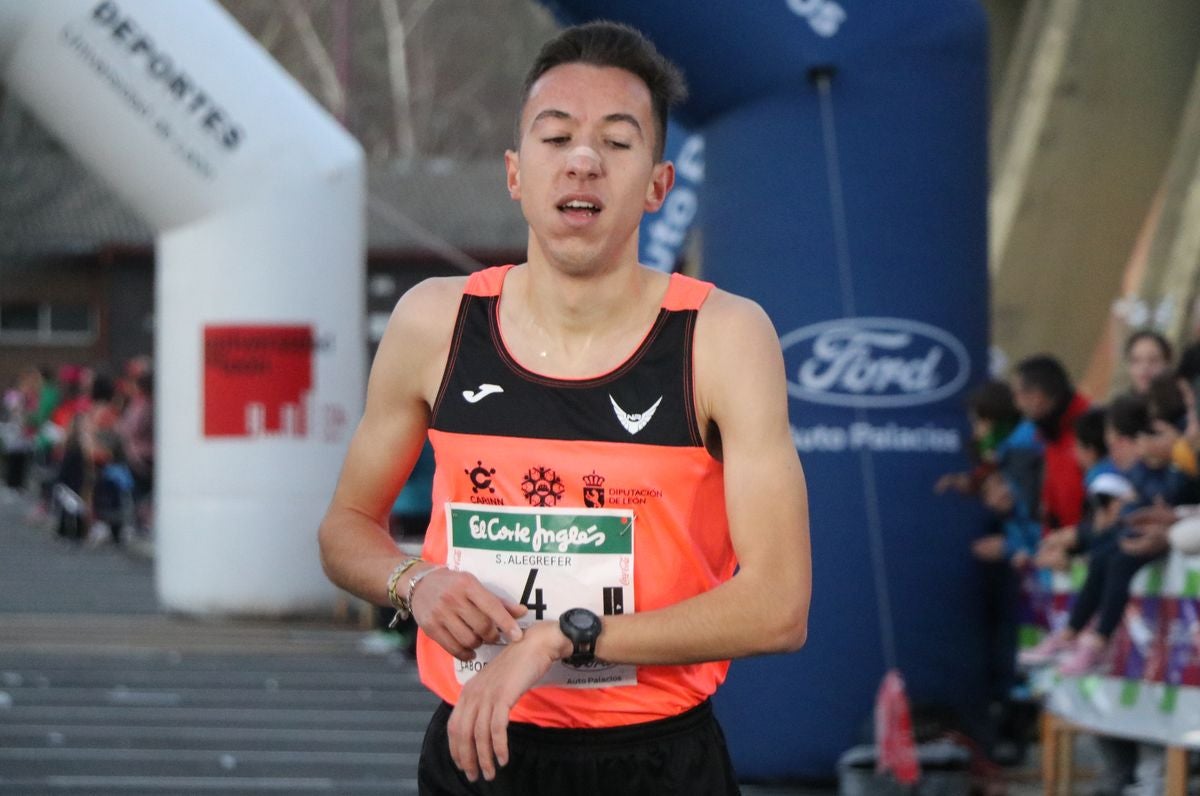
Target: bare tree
point(422, 79)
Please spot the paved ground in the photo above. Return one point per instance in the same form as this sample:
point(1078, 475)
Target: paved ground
point(101, 693)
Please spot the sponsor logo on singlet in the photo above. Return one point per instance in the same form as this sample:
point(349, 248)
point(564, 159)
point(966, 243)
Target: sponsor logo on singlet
point(483, 392)
point(633, 422)
point(593, 491)
point(596, 495)
point(482, 490)
point(542, 487)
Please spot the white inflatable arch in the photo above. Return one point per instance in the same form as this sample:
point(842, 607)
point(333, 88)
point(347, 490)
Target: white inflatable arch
point(257, 197)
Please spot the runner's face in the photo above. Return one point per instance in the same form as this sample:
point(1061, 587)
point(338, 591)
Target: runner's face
point(585, 171)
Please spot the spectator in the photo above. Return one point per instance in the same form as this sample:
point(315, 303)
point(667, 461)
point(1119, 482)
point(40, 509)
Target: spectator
point(1044, 394)
point(1006, 476)
point(1147, 355)
point(1126, 420)
point(994, 419)
point(72, 402)
point(1091, 449)
point(1114, 553)
point(1168, 400)
point(16, 438)
point(110, 501)
point(136, 430)
point(1105, 591)
point(1127, 416)
point(46, 438)
point(1157, 476)
point(1020, 530)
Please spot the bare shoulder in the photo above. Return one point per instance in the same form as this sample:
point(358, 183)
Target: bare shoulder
point(430, 304)
point(738, 361)
point(729, 322)
point(424, 316)
point(414, 347)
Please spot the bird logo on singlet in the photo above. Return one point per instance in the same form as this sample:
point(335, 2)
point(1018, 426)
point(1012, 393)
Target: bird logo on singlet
point(635, 421)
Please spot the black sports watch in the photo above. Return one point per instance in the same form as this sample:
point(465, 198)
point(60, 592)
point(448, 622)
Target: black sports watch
point(582, 628)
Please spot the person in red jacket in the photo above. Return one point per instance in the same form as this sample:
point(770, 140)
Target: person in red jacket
point(1043, 392)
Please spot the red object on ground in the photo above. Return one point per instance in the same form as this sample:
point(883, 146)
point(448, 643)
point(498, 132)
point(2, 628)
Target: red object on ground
point(893, 731)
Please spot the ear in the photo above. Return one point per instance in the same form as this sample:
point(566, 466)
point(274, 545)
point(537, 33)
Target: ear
point(512, 170)
point(662, 179)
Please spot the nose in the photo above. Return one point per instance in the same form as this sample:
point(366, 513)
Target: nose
point(583, 162)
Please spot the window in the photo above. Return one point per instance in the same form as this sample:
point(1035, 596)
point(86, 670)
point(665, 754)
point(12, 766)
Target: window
point(19, 317)
point(70, 318)
point(46, 323)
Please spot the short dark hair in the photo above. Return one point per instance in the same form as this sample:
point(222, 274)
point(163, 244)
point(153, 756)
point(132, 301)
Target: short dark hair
point(605, 43)
point(993, 401)
point(1128, 415)
point(1165, 401)
point(1046, 374)
point(1089, 430)
point(1149, 334)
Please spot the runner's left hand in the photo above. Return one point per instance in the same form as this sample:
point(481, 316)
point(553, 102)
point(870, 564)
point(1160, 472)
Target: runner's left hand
point(478, 726)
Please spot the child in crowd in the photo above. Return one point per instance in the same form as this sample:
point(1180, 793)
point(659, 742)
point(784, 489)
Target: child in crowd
point(1106, 588)
point(1170, 404)
point(996, 433)
point(1113, 450)
point(1166, 467)
point(1021, 531)
point(1153, 479)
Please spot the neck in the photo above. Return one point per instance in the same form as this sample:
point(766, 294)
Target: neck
point(568, 300)
point(577, 325)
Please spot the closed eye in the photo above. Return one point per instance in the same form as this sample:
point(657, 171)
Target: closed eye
point(557, 140)
point(619, 145)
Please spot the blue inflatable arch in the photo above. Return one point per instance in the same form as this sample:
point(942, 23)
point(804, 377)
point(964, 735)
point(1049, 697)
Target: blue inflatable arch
point(845, 189)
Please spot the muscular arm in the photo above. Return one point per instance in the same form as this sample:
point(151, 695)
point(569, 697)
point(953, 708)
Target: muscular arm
point(742, 390)
point(357, 552)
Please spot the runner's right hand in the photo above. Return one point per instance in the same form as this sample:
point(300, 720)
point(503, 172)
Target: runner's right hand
point(459, 613)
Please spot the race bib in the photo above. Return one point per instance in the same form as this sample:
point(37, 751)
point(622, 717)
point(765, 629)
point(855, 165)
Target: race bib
point(550, 560)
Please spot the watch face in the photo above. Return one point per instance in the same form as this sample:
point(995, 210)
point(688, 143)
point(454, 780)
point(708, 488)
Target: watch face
point(581, 619)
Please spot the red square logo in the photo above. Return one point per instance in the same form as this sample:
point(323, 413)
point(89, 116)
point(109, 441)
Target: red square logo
point(257, 380)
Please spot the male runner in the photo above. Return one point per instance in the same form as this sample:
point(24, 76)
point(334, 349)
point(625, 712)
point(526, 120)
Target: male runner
point(611, 442)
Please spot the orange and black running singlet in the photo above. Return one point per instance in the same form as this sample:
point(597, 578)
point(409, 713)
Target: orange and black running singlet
point(563, 493)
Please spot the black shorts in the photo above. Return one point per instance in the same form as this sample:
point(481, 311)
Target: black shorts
point(685, 754)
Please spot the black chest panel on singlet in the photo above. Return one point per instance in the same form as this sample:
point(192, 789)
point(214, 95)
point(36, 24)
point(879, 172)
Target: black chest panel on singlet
point(647, 400)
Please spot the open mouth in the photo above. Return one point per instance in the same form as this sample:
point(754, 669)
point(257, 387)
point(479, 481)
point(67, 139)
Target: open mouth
point(579, 208)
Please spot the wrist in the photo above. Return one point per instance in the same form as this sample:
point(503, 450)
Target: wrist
point(417, 575)
point(402, 584)
point(548, 635)
point(397, 583)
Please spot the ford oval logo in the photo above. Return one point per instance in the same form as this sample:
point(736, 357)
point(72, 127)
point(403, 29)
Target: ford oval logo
point(874, 363)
